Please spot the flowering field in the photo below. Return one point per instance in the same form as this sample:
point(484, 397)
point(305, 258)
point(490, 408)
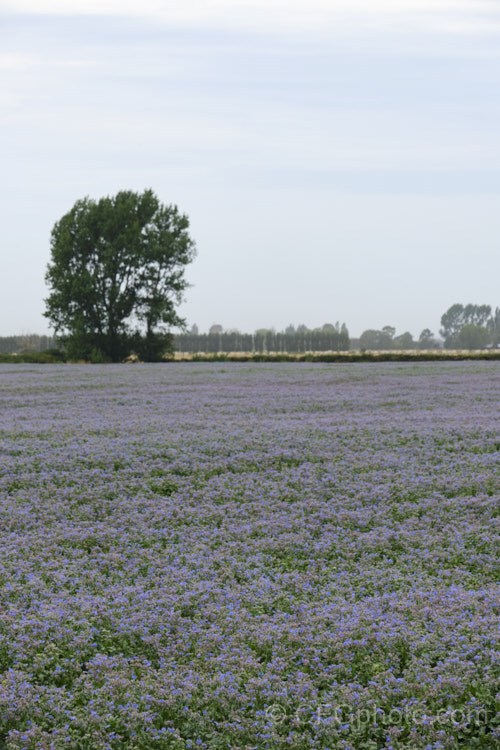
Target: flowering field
point(249, 556)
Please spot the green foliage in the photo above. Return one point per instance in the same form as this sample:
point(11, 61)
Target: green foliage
point(115, 264)
point(41, 358)
point(372, 339)
point(457, 317)
point(153, 346)
point(265, 341)
point(404, 341)
point(472, 337)
point(493, 326)
point(26, 344)
point(393, 356)
point(426, 340)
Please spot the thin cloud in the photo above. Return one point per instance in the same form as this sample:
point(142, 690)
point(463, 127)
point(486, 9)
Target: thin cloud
point(17, 62)
point(21, 63)
point(458, 16)
point(204, 7)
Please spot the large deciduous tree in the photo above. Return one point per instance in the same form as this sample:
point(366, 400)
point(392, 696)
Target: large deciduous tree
point(116, 273)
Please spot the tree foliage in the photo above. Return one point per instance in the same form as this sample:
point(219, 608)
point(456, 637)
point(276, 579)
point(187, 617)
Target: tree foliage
point(116, 273)
point(266, 340)
point(426, 340)
point(472, 337)
point(457, 317)
point(26, 344)
point(493, 326)
point(374, 339)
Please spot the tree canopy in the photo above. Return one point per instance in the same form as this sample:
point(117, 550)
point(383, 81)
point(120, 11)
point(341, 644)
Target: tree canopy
point(459, 316)
point(116, 273)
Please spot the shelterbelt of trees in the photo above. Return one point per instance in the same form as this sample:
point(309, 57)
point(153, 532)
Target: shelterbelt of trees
point(301, 339)
point(26, 343)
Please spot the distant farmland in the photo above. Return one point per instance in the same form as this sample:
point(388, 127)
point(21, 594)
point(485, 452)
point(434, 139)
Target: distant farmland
point(219, 555)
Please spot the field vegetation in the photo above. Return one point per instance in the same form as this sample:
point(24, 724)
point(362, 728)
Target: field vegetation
point(222, 555)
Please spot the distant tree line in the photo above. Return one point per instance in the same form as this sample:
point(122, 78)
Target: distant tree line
point(462, 327)
point(387, 340)
point(292, 340)
point(26, 344)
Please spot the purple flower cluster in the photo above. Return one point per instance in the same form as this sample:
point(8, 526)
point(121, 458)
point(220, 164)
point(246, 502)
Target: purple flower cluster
point(249, 556)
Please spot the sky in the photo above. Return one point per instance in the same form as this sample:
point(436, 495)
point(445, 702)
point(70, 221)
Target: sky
point(339, 160)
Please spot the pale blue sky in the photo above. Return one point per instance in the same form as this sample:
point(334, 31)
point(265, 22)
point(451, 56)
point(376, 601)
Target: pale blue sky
point(338, 160)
